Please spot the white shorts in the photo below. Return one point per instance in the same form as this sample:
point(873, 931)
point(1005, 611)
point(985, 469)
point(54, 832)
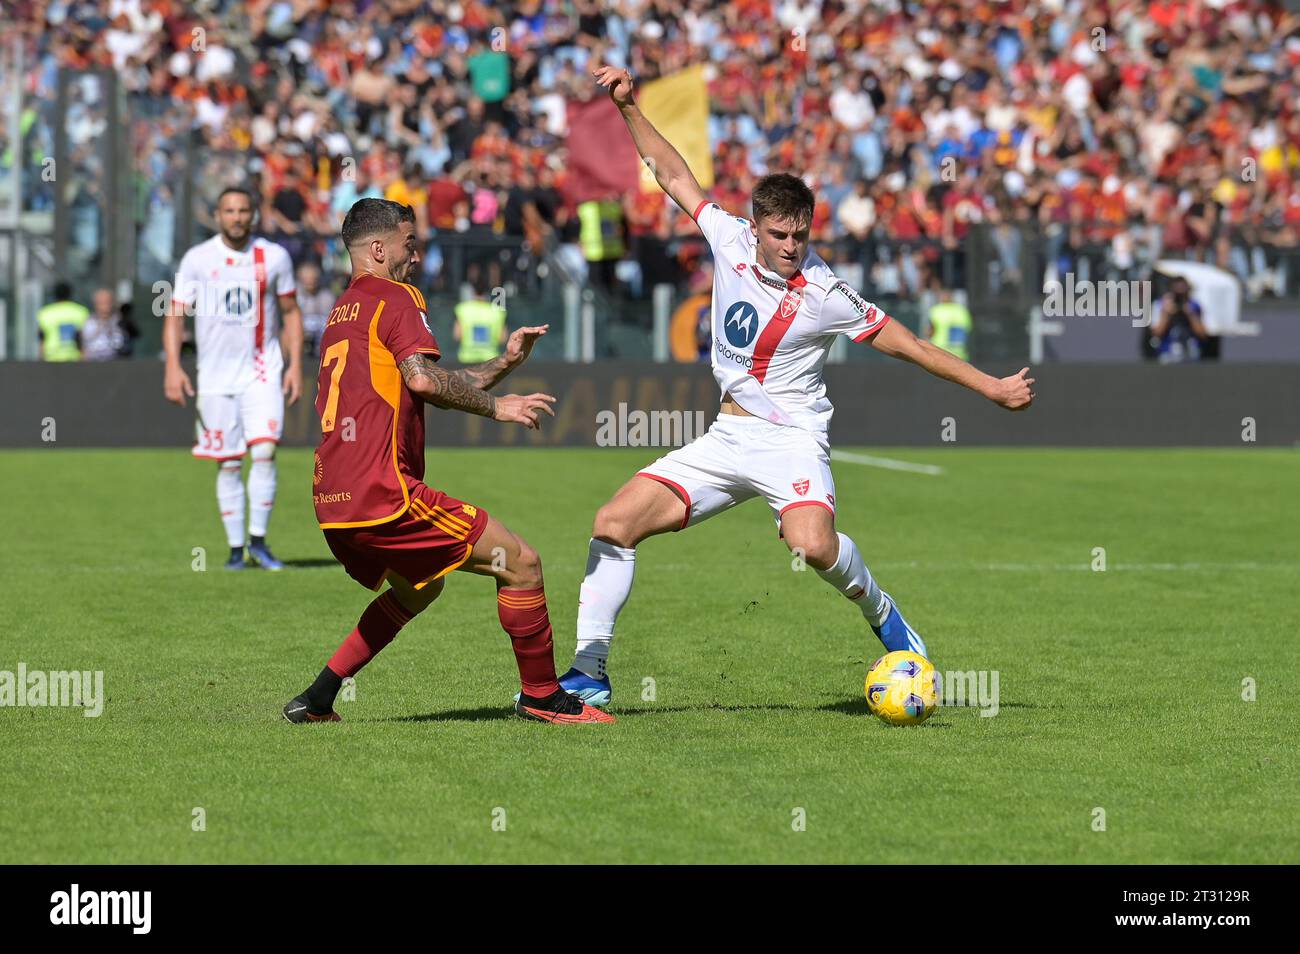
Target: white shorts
point(741, 457)
point(228, 424)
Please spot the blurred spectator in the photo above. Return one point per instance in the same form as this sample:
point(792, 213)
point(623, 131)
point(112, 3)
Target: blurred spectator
point(691, 328)
point(315, 302)
point(59, 326)
point(856, 215)
point(448, 205)
point(104, 336)
point(353, 187)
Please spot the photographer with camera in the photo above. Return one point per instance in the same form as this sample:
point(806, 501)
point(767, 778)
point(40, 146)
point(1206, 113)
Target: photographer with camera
point(1178, 334)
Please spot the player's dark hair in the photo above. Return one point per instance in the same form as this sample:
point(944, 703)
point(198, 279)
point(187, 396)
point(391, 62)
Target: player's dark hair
point(236, 190)
point(62, 291)
point(371, 217)
point(783, 196)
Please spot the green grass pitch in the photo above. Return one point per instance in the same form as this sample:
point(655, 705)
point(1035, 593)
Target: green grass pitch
point(1120, 690)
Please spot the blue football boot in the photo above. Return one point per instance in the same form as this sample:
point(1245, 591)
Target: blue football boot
point(895, 633)
point(261, 554)
point(594, 692)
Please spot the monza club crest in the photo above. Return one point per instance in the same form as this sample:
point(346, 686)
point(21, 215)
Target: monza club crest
point(791, 302)
point(800, 487)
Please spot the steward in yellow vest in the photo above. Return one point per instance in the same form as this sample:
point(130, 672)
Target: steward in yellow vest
point(600, 230)
point(60, 324)
point(950, 324)
point(480, 329)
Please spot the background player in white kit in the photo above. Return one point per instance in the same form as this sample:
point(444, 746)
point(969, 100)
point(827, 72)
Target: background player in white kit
point(241, 289)
point(777, 308)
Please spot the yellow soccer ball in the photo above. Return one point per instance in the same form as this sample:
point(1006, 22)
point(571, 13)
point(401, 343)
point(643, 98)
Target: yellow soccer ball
point(902, 688)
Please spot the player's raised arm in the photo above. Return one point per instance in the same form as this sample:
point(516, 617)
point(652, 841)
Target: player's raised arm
point(670, 169)
point(450, 390)
point(1013, 393)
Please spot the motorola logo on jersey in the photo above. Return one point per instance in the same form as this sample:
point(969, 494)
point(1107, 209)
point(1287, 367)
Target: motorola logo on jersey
point(239, 301)
point(741, 324)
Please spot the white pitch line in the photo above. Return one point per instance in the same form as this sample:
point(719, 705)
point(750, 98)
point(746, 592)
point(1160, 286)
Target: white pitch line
point(1138, 567)
point(1207, 567)
point(1238, 566)
point(886, 462)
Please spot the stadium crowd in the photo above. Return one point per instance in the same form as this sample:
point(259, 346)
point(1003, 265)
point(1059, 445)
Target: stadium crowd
point(1111, 131)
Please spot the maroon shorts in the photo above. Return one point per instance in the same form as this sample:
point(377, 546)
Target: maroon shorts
point(435, 535)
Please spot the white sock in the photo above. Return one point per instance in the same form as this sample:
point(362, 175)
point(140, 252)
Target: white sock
point(851, 577)
point(230, 500)
point(604, 591)
point(261, 495)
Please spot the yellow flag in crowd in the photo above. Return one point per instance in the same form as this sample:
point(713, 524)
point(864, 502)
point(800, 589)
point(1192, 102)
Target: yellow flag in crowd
point(678, 105)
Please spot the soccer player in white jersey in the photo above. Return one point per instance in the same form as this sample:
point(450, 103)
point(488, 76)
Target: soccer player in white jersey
point(777, 309)
point(241, 290)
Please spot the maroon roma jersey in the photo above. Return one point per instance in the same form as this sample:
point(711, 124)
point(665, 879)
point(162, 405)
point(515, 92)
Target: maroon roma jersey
point(372, 427)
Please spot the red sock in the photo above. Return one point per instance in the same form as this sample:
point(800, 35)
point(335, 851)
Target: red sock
point(375, 630)
point(524, 617)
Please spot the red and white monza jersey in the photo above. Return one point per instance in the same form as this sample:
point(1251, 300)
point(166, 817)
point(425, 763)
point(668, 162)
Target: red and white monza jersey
point(235, 295)
point(771, 336)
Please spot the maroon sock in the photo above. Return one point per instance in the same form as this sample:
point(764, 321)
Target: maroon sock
point(524, 617)
point(375, 630)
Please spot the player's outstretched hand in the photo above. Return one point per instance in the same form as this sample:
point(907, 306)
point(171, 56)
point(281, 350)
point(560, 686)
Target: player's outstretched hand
point(1015, 393)
point(523, 409)
point(618, 82)
point(521, 343)
point(176, 386)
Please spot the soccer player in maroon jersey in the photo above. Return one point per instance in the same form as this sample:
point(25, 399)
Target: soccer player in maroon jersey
point(380, 519)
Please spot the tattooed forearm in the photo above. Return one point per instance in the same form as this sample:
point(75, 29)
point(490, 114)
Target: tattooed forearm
point(487, 375)
point(444, 389)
